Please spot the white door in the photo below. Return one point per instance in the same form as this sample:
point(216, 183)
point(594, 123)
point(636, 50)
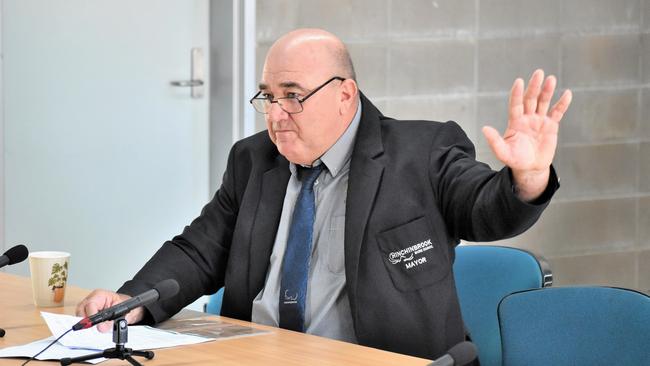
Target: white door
point(103, 157)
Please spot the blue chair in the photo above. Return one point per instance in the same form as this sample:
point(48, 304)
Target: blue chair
point(484, 275)
point(214, 303)
point(575, 326)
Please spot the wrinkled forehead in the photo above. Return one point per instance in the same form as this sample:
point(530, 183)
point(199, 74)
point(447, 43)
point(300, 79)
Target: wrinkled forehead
point(272, 80)
point(306, 65)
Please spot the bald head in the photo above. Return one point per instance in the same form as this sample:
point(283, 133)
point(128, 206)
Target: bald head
point(316, 49)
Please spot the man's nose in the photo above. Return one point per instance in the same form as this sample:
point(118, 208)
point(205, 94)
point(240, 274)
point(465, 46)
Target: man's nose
point(276, 113)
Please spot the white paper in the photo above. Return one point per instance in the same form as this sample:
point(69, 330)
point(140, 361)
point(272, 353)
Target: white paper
point(89, 338)
point(140, 337)
point(88, 341)
point(55, 352)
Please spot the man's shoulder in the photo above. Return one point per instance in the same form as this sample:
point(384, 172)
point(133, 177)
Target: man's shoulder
point(253, 151)
point(258, 143)
point(412, 129)
point(415, 130)
point(261, 137)
point(406, 124)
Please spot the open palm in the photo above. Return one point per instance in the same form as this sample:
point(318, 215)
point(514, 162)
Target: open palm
point(530, 140)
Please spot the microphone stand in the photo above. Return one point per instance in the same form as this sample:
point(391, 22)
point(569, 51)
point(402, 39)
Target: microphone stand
point(120, 337)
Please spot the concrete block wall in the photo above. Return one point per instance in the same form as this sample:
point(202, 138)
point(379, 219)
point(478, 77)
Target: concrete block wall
point(457, 59)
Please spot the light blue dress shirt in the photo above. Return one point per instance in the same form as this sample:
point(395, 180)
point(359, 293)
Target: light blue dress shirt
point(327, 309)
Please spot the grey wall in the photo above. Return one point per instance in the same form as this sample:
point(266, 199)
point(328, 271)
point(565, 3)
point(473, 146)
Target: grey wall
point(456, 59)
point(221, 96)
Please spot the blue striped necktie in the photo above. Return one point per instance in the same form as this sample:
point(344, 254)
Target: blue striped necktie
point(295, 265)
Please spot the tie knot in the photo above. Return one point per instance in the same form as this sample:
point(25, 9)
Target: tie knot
point(308, 175)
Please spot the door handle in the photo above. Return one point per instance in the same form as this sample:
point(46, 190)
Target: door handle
point(187, 83)
point(196, 82)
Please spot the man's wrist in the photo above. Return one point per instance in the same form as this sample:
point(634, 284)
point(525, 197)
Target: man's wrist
point(529, 185)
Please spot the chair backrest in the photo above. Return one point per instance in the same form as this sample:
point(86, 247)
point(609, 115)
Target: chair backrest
point(484, 275)
point(575, 326)
point(214, 303)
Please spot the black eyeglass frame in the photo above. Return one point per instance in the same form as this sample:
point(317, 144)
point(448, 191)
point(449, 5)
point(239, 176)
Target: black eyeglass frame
point(300, 101)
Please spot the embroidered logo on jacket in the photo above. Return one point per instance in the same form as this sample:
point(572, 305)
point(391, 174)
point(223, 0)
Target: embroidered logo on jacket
point(407, 255)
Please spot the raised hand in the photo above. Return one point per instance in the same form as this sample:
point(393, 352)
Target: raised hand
point(530, 140)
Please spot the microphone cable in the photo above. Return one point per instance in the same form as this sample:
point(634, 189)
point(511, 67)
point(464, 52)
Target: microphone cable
point(48, 346)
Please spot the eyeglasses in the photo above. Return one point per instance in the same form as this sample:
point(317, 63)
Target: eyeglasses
point(290, 105)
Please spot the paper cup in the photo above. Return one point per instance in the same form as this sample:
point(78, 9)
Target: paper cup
point(49, 277)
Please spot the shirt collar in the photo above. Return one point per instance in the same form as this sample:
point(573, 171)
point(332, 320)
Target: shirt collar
point(337, 155)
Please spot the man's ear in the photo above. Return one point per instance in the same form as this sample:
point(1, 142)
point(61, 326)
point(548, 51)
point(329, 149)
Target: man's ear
point(348, 96)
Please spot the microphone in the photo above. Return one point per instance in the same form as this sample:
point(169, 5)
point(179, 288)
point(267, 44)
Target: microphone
point(162, 290)
point(460, 354)
point(14, 255)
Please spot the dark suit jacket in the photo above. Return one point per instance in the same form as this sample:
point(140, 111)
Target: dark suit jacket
point(414, 191)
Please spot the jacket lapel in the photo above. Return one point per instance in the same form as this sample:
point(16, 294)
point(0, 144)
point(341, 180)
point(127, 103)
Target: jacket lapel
point(267, 218)
point(365, 176)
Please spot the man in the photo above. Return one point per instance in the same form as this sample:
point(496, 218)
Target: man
point(341, 222)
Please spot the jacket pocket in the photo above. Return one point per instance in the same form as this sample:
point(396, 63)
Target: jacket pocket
point(412, 256)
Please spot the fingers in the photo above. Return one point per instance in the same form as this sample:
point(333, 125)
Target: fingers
point(91, 308)
point(532, 92)
point(105, 326)
point(135, 315)
point(545, 97)
point(537, 98)
point(496, 143)
point(516, 108)
point(93, 303)
point(80, 309)
point(99, 300)
point(558, 110)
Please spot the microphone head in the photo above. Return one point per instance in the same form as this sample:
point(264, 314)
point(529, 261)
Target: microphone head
point(166, 288)
point(17, 254)
point(463, 353)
